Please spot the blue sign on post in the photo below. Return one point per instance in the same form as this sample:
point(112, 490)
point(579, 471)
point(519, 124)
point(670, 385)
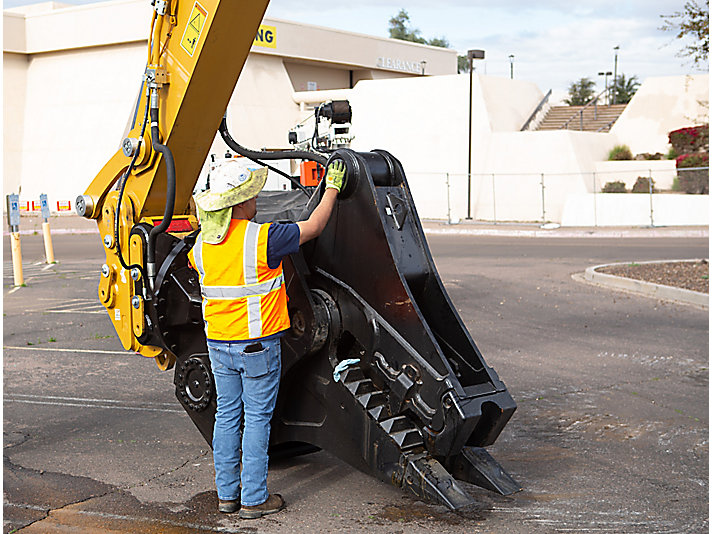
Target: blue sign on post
point(45, 206)
point(13, 211)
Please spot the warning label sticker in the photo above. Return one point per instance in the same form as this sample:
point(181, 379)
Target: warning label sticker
point(194, 28)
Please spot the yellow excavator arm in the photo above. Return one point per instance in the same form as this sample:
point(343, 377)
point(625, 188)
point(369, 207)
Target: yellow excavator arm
point(196, 51)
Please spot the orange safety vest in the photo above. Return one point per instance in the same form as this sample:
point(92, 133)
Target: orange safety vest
point(243, 298)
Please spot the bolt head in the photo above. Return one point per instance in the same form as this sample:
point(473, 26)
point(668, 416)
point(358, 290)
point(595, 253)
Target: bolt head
point(108, 240)
point(135, 274)
point(105, 270)
point(136, 302)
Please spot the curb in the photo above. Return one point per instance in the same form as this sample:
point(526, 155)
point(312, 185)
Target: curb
point(513, 231)
point(647, 289)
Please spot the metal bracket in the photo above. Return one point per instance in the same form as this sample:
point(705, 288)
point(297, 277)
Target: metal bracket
point(397, 209)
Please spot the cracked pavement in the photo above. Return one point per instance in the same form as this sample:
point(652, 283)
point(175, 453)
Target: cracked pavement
point(610, 434)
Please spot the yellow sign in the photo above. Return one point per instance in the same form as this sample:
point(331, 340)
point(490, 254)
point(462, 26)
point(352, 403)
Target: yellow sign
point(192, 31)
point(266, 37)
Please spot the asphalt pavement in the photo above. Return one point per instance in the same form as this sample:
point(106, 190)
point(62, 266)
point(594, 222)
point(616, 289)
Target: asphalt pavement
point(610, 434)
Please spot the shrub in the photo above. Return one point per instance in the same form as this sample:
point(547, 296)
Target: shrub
point(646, 156)
point(643, 185)
point(620, 152)
point(693, 182)
point(672, 153)
point(614, 187)
point(691, 139)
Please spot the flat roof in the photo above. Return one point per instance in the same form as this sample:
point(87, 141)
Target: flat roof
point(53, 27)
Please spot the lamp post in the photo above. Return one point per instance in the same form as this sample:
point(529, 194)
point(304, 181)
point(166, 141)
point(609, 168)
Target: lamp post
point(615, 75)
point(608, 95)
point(422, 67)
point(511, 66)
point(471, 54)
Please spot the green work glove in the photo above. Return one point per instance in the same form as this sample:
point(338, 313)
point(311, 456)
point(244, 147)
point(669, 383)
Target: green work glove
point(335, 175)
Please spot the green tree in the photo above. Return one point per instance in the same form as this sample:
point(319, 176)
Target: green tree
point(463, 64)
point(692, 22)
point(442, 42)
point(399, 28)
point(581, 92)
point(624, 89)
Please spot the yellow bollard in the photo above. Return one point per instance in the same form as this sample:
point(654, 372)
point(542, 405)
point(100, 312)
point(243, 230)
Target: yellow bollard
point(49, 251)
point(16, 258)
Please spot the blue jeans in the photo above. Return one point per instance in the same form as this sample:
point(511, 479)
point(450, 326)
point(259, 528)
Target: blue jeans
point(246, 383)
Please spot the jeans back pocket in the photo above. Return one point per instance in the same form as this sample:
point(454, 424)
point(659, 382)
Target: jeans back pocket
point(257, 363)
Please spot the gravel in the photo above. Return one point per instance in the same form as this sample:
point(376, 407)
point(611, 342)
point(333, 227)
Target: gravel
point(692, 275)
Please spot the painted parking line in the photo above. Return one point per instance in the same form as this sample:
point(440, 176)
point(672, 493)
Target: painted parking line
point(81, 399)
point(104, 404)
point(87, 351)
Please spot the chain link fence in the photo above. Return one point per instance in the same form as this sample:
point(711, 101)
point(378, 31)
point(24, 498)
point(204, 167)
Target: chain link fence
point(644, 196)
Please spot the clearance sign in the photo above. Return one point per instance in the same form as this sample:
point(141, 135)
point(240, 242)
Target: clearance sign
point(266, 37)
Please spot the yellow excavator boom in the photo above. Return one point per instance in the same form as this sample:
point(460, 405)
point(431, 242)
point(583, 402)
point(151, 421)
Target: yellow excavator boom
point(196, 51)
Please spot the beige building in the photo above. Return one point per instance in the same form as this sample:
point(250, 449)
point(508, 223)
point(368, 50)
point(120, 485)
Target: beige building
point(71, 75)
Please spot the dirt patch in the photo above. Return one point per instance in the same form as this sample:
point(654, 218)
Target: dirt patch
point(692, 275)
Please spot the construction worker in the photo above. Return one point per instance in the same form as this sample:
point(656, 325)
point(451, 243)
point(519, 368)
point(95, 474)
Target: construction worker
point(245, 311)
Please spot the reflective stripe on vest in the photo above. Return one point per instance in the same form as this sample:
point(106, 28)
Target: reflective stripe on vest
point(251, 292)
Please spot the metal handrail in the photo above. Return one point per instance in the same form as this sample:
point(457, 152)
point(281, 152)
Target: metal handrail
point(607, 125)
point(579, 113)
point(536, 111)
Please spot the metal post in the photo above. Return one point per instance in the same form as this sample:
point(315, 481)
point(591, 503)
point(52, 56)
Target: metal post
point(447, 182)
point(471, 54)
point(543, 206)
point(615, 75)
point(469, 149)
point(595, 210)
point(494, 202)
point(13, 221)
point(16, 256)
point(511, 66)
point(49, 250)
point(650, 189)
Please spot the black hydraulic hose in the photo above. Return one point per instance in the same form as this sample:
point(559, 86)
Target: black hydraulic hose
point(170, 196)
point(125, 179)
point(262, 154)
point(292, 179)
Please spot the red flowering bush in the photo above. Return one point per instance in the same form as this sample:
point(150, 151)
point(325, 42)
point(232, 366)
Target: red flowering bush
point(691, 139)
point(693, 145)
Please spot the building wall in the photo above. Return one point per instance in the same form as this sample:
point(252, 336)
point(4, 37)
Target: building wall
point(14, 95)
point(659, 106)
point(311, 77)
point(71, 76)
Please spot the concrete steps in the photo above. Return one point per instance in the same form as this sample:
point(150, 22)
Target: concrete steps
point(595, 118)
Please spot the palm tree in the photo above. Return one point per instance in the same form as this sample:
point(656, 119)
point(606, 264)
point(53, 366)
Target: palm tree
point(624, 89)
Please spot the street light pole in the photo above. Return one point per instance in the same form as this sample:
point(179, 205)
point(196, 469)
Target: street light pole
point(615, 75)
point(608, 93)
point(471, 54)
point(511, 66)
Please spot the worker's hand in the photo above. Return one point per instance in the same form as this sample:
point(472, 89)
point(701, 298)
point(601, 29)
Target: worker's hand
point(335, 175)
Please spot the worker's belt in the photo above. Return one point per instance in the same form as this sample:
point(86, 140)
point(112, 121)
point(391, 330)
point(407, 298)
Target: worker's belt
point(238, 292)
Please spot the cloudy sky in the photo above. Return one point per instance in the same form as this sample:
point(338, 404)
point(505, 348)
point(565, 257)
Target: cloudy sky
point(554, 42)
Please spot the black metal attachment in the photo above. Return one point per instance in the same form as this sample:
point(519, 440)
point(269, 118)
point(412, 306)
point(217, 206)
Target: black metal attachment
point(417, 403)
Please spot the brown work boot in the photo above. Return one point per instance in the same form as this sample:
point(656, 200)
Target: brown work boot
point(228, 507)
point(273, 504)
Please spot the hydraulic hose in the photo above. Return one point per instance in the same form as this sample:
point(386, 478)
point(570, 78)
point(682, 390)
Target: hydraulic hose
point(263, 154)
point(170, 192)
point(123, 181)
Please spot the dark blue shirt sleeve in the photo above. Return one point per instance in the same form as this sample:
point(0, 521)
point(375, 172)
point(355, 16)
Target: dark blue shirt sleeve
point(282, 239)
